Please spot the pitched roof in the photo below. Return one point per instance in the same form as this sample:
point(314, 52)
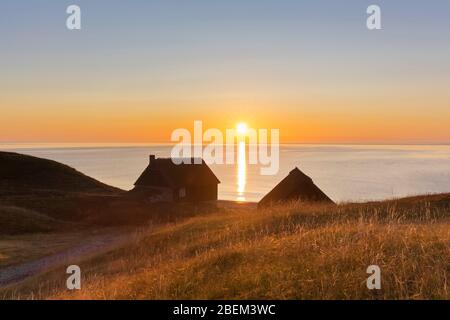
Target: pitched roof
point(165, 173)
point(296, 186)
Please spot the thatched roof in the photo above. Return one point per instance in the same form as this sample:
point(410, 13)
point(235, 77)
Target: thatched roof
point(163, 172)
point(296, 186)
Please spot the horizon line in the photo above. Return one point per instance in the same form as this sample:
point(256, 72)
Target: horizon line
point(124, 144)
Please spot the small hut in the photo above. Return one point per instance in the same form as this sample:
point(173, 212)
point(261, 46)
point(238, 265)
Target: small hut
point(296, 186)
point(166, 180)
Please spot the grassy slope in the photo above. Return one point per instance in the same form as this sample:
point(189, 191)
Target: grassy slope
point(297, 251)
point(14, 220)
point(25, 174)
point(17, 249)
point(36, 195)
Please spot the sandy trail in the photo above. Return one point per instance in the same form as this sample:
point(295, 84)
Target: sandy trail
point(98, 244)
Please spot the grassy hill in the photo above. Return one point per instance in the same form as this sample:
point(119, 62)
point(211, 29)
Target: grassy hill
point(14, 220)
point(296, 251)
point(26, 174)
point(38, 195)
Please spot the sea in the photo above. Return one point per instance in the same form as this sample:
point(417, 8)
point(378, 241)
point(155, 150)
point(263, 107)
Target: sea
point(346, 173)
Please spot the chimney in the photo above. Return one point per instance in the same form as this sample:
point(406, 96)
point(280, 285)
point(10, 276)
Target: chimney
point(152, 158)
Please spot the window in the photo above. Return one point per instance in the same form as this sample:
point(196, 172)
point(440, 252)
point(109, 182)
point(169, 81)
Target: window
point(182, 193)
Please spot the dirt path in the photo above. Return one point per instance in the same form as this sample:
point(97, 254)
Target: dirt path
point(97, 244)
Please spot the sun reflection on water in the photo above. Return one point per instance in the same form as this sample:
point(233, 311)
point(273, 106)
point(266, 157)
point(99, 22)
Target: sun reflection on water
point(241, 171)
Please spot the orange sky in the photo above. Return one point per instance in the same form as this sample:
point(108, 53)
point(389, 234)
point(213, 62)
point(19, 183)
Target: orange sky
point(308, 118)
point(319, 76)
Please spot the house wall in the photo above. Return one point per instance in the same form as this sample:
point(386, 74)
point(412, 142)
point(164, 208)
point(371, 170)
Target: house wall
point(155, 194)
point(203, 193)
point(192, 194)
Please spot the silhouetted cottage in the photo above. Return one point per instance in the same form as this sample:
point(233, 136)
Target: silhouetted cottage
point(296, 186)
point(163, 180)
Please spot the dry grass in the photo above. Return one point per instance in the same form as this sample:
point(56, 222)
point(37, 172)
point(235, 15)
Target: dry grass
point(15, 220)
point(17, 249)
point(297, 251)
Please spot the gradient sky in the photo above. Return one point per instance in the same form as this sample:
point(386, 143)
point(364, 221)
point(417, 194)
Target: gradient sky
point(139, 69)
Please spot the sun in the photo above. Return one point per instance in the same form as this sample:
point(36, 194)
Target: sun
point(241, 128)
